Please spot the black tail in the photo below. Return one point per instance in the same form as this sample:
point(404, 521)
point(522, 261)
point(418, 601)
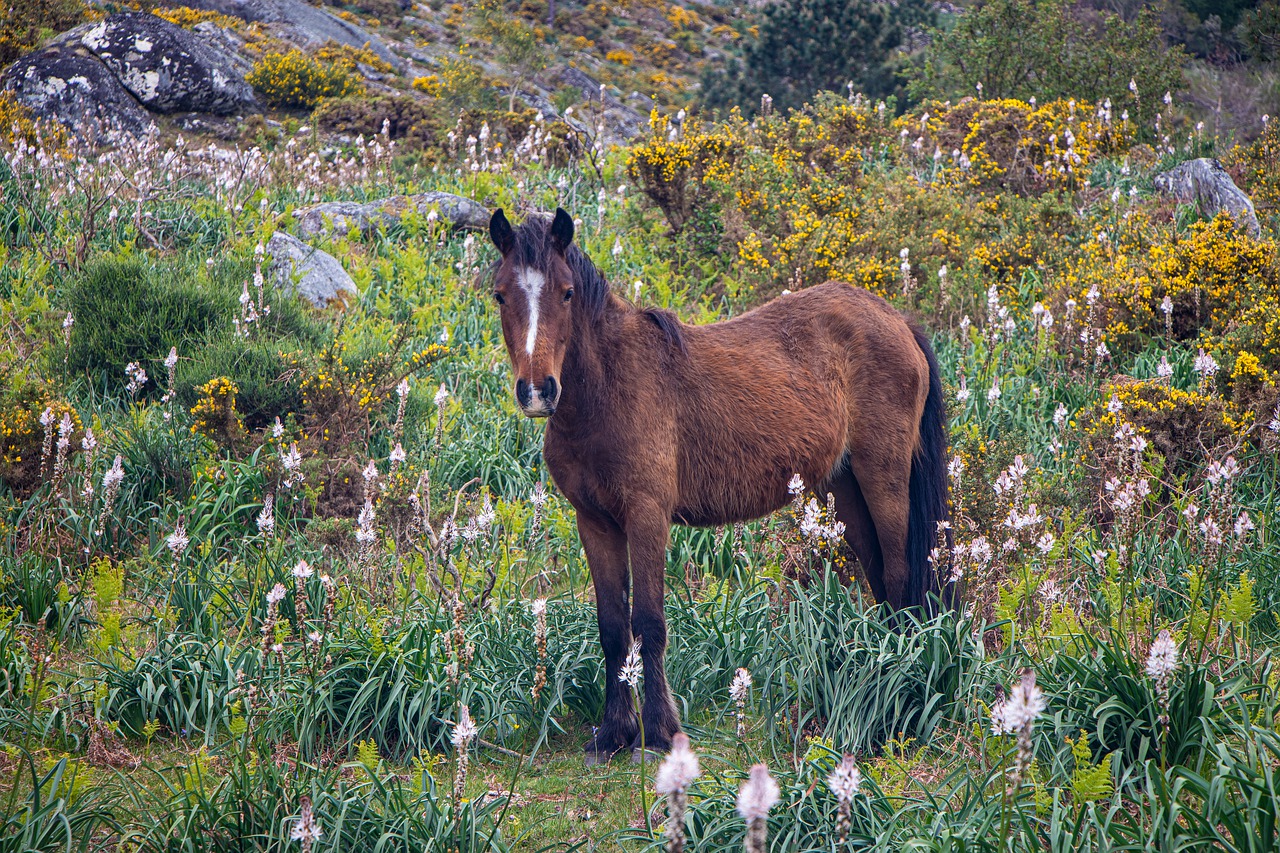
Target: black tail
point(928, 495)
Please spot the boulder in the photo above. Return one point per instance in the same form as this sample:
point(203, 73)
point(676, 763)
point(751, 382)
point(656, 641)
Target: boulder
point(229, 42)
point(461, 211)
point(301, 22)
point(1205, 182)
point(314, 275)
point(342, 217)
point(65, 83)
point(167, 68)
point(306, 24)
point(622, 122)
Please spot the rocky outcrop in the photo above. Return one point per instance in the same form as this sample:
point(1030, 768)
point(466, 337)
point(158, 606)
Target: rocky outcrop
point(169, 69)
point(624, 122)
point(67, 84)
point(1206, 183)
point(299, 22)
point(312, 274)
point(342, 217)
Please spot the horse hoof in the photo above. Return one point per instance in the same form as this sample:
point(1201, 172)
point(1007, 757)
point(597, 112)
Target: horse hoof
point(595, 758)
point(648, 755)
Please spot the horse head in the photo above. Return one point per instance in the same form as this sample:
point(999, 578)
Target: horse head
point(533, 287)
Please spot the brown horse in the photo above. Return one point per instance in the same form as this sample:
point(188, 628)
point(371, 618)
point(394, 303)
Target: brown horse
point(652, 422)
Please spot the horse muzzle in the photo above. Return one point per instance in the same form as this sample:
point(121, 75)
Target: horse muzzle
point(538, 401)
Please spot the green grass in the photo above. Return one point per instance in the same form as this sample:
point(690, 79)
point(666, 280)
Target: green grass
point(234, 712)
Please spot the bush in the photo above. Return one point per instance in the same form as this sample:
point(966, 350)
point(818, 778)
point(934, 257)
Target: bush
point(23, 461)
point(187, 17)
point(463, 86)
point(124, 313)
point(294, 79)
point(1180, 425)
point(215, 412)
point(27, 22)
point(1257, 167)
point(1045, 49)
point(806, 46)
point(406, 118)
point(673, 171)
point(260, 373)
point(1223, 285)
point(1014, 145)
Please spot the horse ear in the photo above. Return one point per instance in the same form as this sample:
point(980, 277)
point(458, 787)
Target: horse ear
point(561, 230)
point(500, 232)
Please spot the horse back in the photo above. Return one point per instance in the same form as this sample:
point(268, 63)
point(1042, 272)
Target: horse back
point(779, 391)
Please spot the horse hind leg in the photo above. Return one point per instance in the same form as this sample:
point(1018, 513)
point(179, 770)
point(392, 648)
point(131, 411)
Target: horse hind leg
point(884, 481)
point(859, 529)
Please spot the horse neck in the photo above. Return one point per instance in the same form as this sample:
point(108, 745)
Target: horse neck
point(595, 343)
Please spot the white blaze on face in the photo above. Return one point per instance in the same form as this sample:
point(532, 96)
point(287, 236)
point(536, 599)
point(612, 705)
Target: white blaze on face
point(531, 282)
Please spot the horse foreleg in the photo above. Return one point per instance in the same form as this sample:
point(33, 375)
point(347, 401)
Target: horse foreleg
point(647, 543)
point(606, 549)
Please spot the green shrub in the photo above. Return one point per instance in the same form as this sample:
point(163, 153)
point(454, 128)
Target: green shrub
point(28, 22)
point(124, 313)
point(260, 373)
point(806, 46)
point(1044, 49)
point(407, 118)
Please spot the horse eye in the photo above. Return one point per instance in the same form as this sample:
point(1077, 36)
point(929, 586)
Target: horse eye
point(568, 294)
point(499, 299)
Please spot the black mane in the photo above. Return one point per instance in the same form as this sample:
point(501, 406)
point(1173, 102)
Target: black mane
point(533, 249)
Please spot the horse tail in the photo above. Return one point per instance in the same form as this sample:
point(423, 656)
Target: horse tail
point(928, 495)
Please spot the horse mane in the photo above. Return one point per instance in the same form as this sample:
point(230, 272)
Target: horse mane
point(533, 248)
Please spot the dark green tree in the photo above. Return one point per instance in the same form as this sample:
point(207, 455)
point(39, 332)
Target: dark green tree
point(1260, 31)
point(807, 46)
point(1043, 48)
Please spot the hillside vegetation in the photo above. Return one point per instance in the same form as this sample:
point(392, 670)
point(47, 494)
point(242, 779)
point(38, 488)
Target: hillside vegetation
point(281, 577)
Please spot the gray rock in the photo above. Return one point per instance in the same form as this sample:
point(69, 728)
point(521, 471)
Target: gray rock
point(1205, 182)
point(167, 68)
point(459, 210)
point(342, 217)
point(621, 121)
point(67, 84)
point(229, 42)
point(314, 275)
point(301, 22)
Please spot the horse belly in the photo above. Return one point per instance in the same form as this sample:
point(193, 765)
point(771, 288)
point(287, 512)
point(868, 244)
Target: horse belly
point(738, 474)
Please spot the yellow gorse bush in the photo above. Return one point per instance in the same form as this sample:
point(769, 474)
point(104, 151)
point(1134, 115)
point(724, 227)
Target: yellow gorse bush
point(1012, 144)
point(294, 79)
point(185, 16)
point(215, 413)
point(17, 122)
point(1259, 166)
point(1176, 422)
point(430, 85)
point(22, 437)
point(1222, 284)
point(348, 57)
point(671, 168)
